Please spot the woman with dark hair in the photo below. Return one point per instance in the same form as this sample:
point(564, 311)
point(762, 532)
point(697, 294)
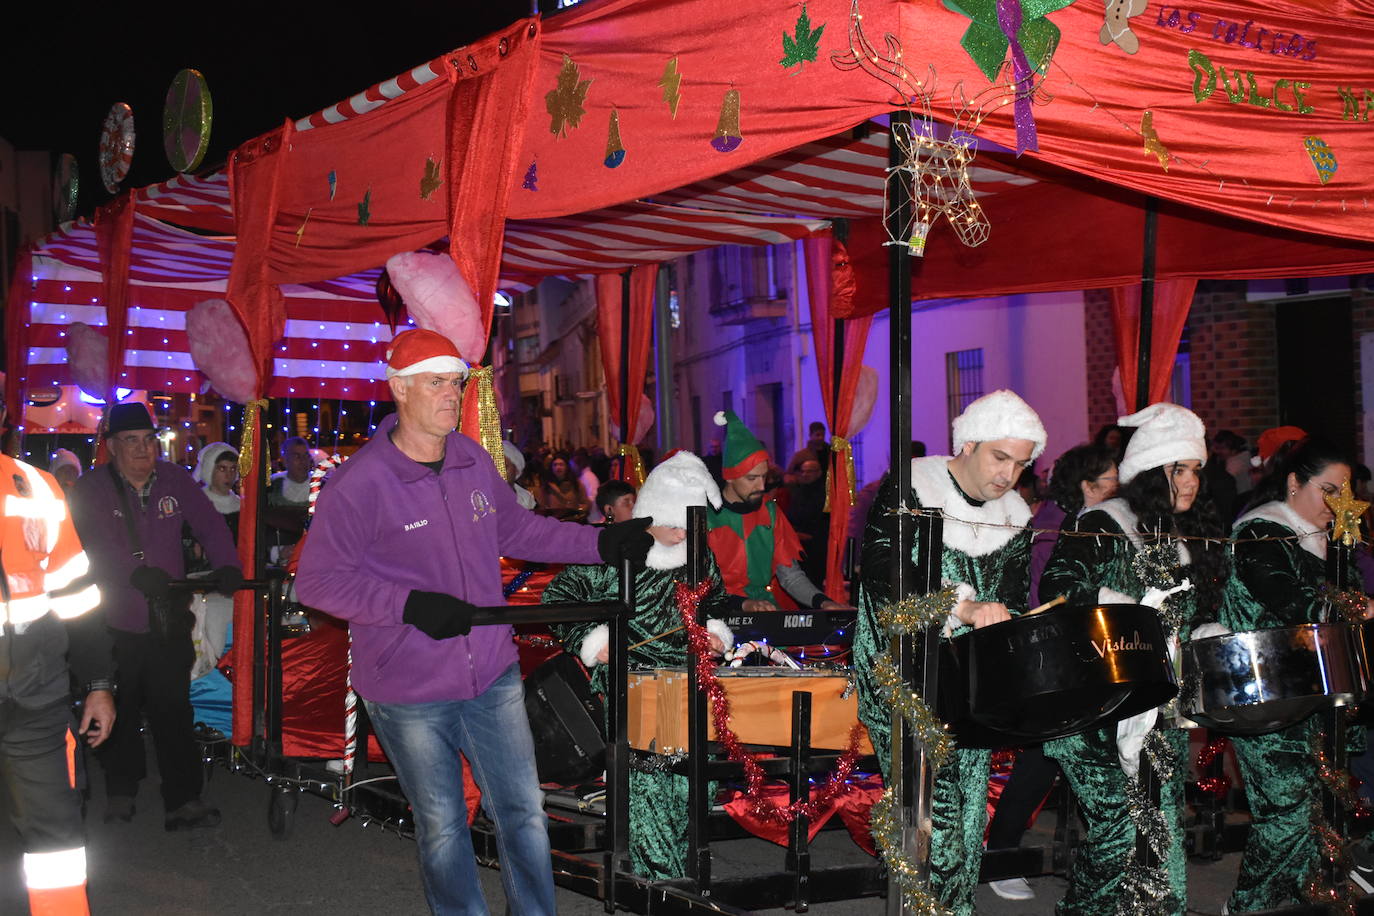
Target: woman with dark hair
point(1163, 501)
point(1280, 561)
point(562, 494)
point(1113, 437)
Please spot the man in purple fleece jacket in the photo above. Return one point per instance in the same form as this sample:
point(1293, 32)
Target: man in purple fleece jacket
point(406, 541)
point(153, 653)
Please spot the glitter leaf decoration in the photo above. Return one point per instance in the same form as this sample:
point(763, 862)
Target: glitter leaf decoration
point(671, 84)
point(564, 102)
point(431, 180)
point(365, 208)
point(531, 182)
point(1152, 142)
point(804, 45)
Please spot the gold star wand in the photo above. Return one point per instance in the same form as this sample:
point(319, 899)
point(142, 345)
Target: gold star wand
point(1348, 511)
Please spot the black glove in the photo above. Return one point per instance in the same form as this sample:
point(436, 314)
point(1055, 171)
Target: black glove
point(227, 579)
point(153, 581)
point(437, 615)
point(626, 541)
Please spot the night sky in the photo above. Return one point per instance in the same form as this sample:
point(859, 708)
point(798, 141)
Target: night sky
point(64, 65)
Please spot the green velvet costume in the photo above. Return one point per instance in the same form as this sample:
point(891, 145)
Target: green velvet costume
point(658, 801)
point(1277, 584)
point(994, 562)
point(1078, 569)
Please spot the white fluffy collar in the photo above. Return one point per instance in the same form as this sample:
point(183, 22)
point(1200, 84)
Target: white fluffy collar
point(972, 530)
point(1120, 512)
point(1313, 540)
point(667, 556)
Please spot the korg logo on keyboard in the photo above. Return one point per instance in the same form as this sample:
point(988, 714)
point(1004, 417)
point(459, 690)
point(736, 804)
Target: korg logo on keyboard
point(797, 620)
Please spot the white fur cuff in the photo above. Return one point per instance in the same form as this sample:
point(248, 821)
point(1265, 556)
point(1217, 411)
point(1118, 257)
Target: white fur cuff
point(962, 592)
point(718, 629)
point(1111, 596)
point(599, 638)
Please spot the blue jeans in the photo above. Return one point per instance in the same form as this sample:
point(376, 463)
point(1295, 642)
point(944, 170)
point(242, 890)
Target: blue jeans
point(423, 741)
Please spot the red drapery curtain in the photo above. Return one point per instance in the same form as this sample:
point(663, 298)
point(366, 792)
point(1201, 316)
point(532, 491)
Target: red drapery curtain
point(17, 315)
point(831, 281)
point(114, 232)
point(609, 329)
point(1172, 300)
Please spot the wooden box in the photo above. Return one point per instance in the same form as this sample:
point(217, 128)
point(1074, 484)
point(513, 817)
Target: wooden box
point(760, 709)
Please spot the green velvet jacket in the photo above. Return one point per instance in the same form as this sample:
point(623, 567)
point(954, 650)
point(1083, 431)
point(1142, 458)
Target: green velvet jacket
point(655, 611)
point(1276, 583)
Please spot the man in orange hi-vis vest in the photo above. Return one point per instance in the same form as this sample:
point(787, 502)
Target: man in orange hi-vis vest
point(46, 596)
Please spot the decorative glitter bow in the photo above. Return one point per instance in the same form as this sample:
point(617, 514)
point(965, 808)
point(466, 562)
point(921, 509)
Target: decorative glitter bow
point(842, 450)
point(633, 464)
point(250, 425)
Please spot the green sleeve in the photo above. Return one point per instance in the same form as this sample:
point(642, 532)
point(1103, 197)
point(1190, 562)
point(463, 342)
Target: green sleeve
point(577, 585)
point(880, 533)
point(1013, 589)
point(1283, 578)
point(1076, 566)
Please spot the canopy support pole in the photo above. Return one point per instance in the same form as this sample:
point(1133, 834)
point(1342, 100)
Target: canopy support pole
point(1147, 306)
point(663, 362)
point(625, 371)
point(910, 768)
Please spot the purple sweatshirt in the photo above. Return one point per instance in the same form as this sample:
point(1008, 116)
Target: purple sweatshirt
point(384, 525)
point(175, 498)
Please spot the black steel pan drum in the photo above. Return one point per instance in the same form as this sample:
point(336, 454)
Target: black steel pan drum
point(1264, 680)
point(1054, 674)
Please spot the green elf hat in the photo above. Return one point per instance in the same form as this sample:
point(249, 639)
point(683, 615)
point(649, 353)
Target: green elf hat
point(742, 448)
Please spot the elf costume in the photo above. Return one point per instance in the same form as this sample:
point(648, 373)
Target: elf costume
point(1092, 570)
point(658, 800)
point(986, 556)
point(750, 546)
point(1277, 583)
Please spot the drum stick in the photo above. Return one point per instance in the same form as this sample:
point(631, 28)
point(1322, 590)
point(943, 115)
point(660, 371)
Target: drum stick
point(1047, 605)
point(645, 642)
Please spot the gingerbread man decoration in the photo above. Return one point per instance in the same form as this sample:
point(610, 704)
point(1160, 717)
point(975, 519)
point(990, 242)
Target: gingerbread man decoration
point(1116, 27)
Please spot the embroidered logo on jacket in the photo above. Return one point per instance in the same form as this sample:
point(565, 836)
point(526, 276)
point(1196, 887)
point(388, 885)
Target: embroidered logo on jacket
point(167, 507)
point(420, 524)
point(481, 506)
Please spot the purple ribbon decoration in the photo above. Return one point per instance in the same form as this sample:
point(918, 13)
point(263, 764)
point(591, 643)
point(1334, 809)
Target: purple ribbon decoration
point(1009, 19)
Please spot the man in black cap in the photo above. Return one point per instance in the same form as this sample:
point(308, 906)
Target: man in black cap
point(129, 514)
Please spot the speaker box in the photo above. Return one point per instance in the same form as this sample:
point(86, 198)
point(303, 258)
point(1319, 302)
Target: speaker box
point(566, 720)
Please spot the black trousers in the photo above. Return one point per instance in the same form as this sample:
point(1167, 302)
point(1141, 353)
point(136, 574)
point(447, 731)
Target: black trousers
point(154, 677)
point(39, 756)
point(1032, 777)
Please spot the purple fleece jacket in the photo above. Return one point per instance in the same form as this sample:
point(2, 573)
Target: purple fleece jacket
point(175, 498)
point(384, 525)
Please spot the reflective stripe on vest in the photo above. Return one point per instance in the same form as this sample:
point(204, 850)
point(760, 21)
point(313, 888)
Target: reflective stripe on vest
point(43, 870)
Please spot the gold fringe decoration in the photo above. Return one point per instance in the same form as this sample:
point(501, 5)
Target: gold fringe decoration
point(488, 417)
point(839, 445)
point(634, 465)
point(250, 425)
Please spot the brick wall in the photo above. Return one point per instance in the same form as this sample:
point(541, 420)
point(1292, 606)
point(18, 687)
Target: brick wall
point(1100, 351)
point(1361, 322)
point(1234, 360)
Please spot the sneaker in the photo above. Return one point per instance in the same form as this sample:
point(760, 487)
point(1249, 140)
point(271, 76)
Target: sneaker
point(1362, 866)
point(1013, 889)
point(195, 813)
point(119, 808)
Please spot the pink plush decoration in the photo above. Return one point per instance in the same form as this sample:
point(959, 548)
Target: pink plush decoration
point(644, 422)
point(219, 348)
point(88, 355)
point(864, 397)
point(439, 299)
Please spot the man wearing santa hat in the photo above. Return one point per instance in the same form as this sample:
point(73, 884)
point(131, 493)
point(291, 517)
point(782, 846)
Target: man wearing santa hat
point(758, 550)
point(406, 543)
point(986, 557)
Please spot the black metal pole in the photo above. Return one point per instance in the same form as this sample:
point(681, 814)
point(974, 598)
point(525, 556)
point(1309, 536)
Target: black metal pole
point(698, 800)
point(618, 748)
point(908, 770)
point(625, 368)
point(1145, 344)
point(1339, 563)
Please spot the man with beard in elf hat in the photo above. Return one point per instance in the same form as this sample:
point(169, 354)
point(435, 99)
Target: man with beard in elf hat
point(406, 544)
point(758, 550)
point(986, 557)
point(658, 801)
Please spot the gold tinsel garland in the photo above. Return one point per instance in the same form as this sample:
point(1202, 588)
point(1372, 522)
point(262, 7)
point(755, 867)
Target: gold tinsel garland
point(910, 615)
point(886, 828)
point(1330, 843)
point(250, 425)
point(1144, 888)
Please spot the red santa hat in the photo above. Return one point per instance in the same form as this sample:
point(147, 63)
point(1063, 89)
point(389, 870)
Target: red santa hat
point(417, 350)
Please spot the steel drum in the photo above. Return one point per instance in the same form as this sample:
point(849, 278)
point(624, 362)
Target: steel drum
point(1265, 680)
point(1054, 674)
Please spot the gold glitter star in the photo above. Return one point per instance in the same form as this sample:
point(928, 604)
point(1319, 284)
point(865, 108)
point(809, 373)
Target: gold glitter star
point(1348, 511)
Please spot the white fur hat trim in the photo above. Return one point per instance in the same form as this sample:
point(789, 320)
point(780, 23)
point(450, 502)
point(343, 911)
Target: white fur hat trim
point(999, 415)
point(1165, 433)
point(672, 486)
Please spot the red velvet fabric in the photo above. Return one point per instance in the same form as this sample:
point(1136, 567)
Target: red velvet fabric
point(17, 311)
point(1172, 300)
point(609, 296)
point(853, 807)
point(246, 603)
point(114, 230)
point(830, 279)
